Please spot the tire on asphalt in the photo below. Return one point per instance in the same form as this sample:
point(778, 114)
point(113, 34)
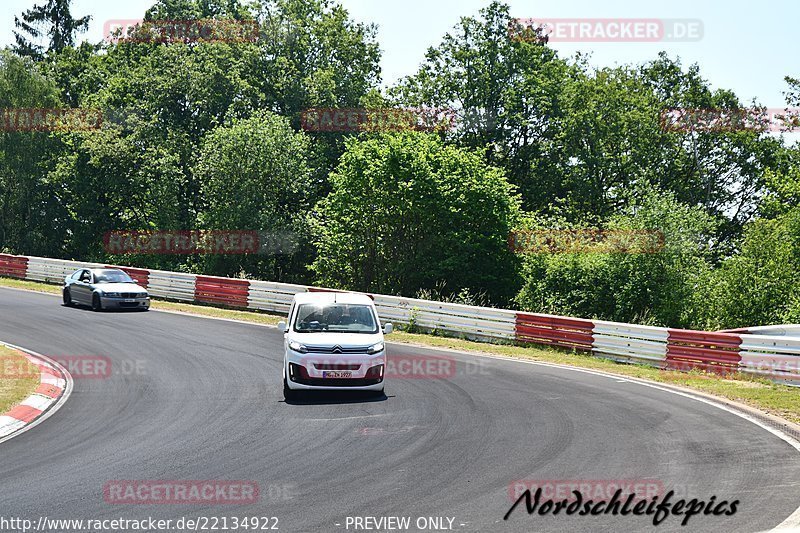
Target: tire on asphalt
point(97, 305)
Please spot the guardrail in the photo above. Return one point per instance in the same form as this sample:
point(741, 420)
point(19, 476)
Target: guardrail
point(789, 330)
point(772, 352)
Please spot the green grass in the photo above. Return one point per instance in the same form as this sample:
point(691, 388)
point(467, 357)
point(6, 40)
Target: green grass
point(217, 312)
point(779, 400)
point(18, 378)
point(29, 285)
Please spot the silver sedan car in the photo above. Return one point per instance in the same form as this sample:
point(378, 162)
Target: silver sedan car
point(104, 288)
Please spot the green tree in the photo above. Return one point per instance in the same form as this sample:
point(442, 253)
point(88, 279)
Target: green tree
point(161, 101)
point(506, 94)
point(614, 147)
point(31, 218)
point(312, 54)
point(111, 181)
point(757, 283)
point(609, 137)
point(577, 141)
point(61, 28)
point(256, 177)
point(197, 9)
point(723, 171)
point(407, 211)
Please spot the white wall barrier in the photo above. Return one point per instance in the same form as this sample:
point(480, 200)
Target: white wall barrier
point(630, 342)
point(172, 285)
point(774, 357)
point(477, 322)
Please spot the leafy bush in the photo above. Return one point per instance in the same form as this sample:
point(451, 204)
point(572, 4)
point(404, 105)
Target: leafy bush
point(407, 211)
point(759, 285)
point(440, 293)
point(651, 288)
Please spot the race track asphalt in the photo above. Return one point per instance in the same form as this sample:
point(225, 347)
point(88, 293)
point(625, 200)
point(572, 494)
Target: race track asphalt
point(189, 398)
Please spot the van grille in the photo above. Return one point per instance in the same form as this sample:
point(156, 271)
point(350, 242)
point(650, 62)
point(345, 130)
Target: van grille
point(326, 366)
point(336, 349)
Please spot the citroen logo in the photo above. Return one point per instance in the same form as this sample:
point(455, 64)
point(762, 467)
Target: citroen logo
point(337, 349)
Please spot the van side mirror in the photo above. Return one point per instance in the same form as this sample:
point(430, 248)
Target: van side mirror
point(282, 326)
point(388, 328)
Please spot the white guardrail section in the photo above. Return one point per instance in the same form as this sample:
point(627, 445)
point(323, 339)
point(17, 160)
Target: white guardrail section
point(630, 343)
point(453, 318)
point(776, 357)
point(273, 297)
point(786, 330)
point(172, 285)
point(53, 270)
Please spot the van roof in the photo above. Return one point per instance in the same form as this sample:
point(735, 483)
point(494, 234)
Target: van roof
point(332, 297)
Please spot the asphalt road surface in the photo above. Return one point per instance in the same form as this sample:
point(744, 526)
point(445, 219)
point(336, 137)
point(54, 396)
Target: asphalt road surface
point(188, 398)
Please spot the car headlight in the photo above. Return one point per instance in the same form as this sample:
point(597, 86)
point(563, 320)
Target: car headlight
point(375, 348)
point(297, 347)
point(111, 294)
point(143, 295)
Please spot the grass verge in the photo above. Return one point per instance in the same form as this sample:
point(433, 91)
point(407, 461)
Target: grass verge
point(779, 400)
point(18, 378)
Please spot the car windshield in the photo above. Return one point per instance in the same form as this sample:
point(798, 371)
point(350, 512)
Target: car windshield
point(112, 276)
point(337, 318)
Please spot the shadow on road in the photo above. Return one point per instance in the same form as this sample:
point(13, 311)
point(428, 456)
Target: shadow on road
point(335, 397)
point(81, 307)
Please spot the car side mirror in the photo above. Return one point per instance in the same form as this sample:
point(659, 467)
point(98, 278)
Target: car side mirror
point(282, 326)
point(388, 328)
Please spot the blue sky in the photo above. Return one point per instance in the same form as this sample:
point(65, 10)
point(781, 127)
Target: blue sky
point(748, 47)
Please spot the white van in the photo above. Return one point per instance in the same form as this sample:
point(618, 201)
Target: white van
point(333, 341)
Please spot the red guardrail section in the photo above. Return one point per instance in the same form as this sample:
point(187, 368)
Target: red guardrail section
point(712, 352)
point(554, 330)
point(225, 291)
point(13, 265)
point(139, 274)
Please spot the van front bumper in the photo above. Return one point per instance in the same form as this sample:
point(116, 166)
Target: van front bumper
point(308, 373)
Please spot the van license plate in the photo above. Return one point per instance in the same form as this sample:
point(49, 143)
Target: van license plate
point(337, 374)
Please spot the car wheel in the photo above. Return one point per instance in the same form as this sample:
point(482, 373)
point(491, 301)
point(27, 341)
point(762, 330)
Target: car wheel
point(67, 297)
point(97, 305)
point(289, 394)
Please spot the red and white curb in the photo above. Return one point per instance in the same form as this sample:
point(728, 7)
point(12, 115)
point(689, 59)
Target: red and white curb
point(55, 386)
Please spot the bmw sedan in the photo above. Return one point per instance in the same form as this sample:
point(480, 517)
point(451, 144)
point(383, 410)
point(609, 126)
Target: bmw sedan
point(104, 288)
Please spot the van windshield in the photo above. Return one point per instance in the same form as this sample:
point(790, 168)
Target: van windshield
point(335, 318)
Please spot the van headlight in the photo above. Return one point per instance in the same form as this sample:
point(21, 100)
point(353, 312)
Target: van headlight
point(375, 348)
point(297, 347)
